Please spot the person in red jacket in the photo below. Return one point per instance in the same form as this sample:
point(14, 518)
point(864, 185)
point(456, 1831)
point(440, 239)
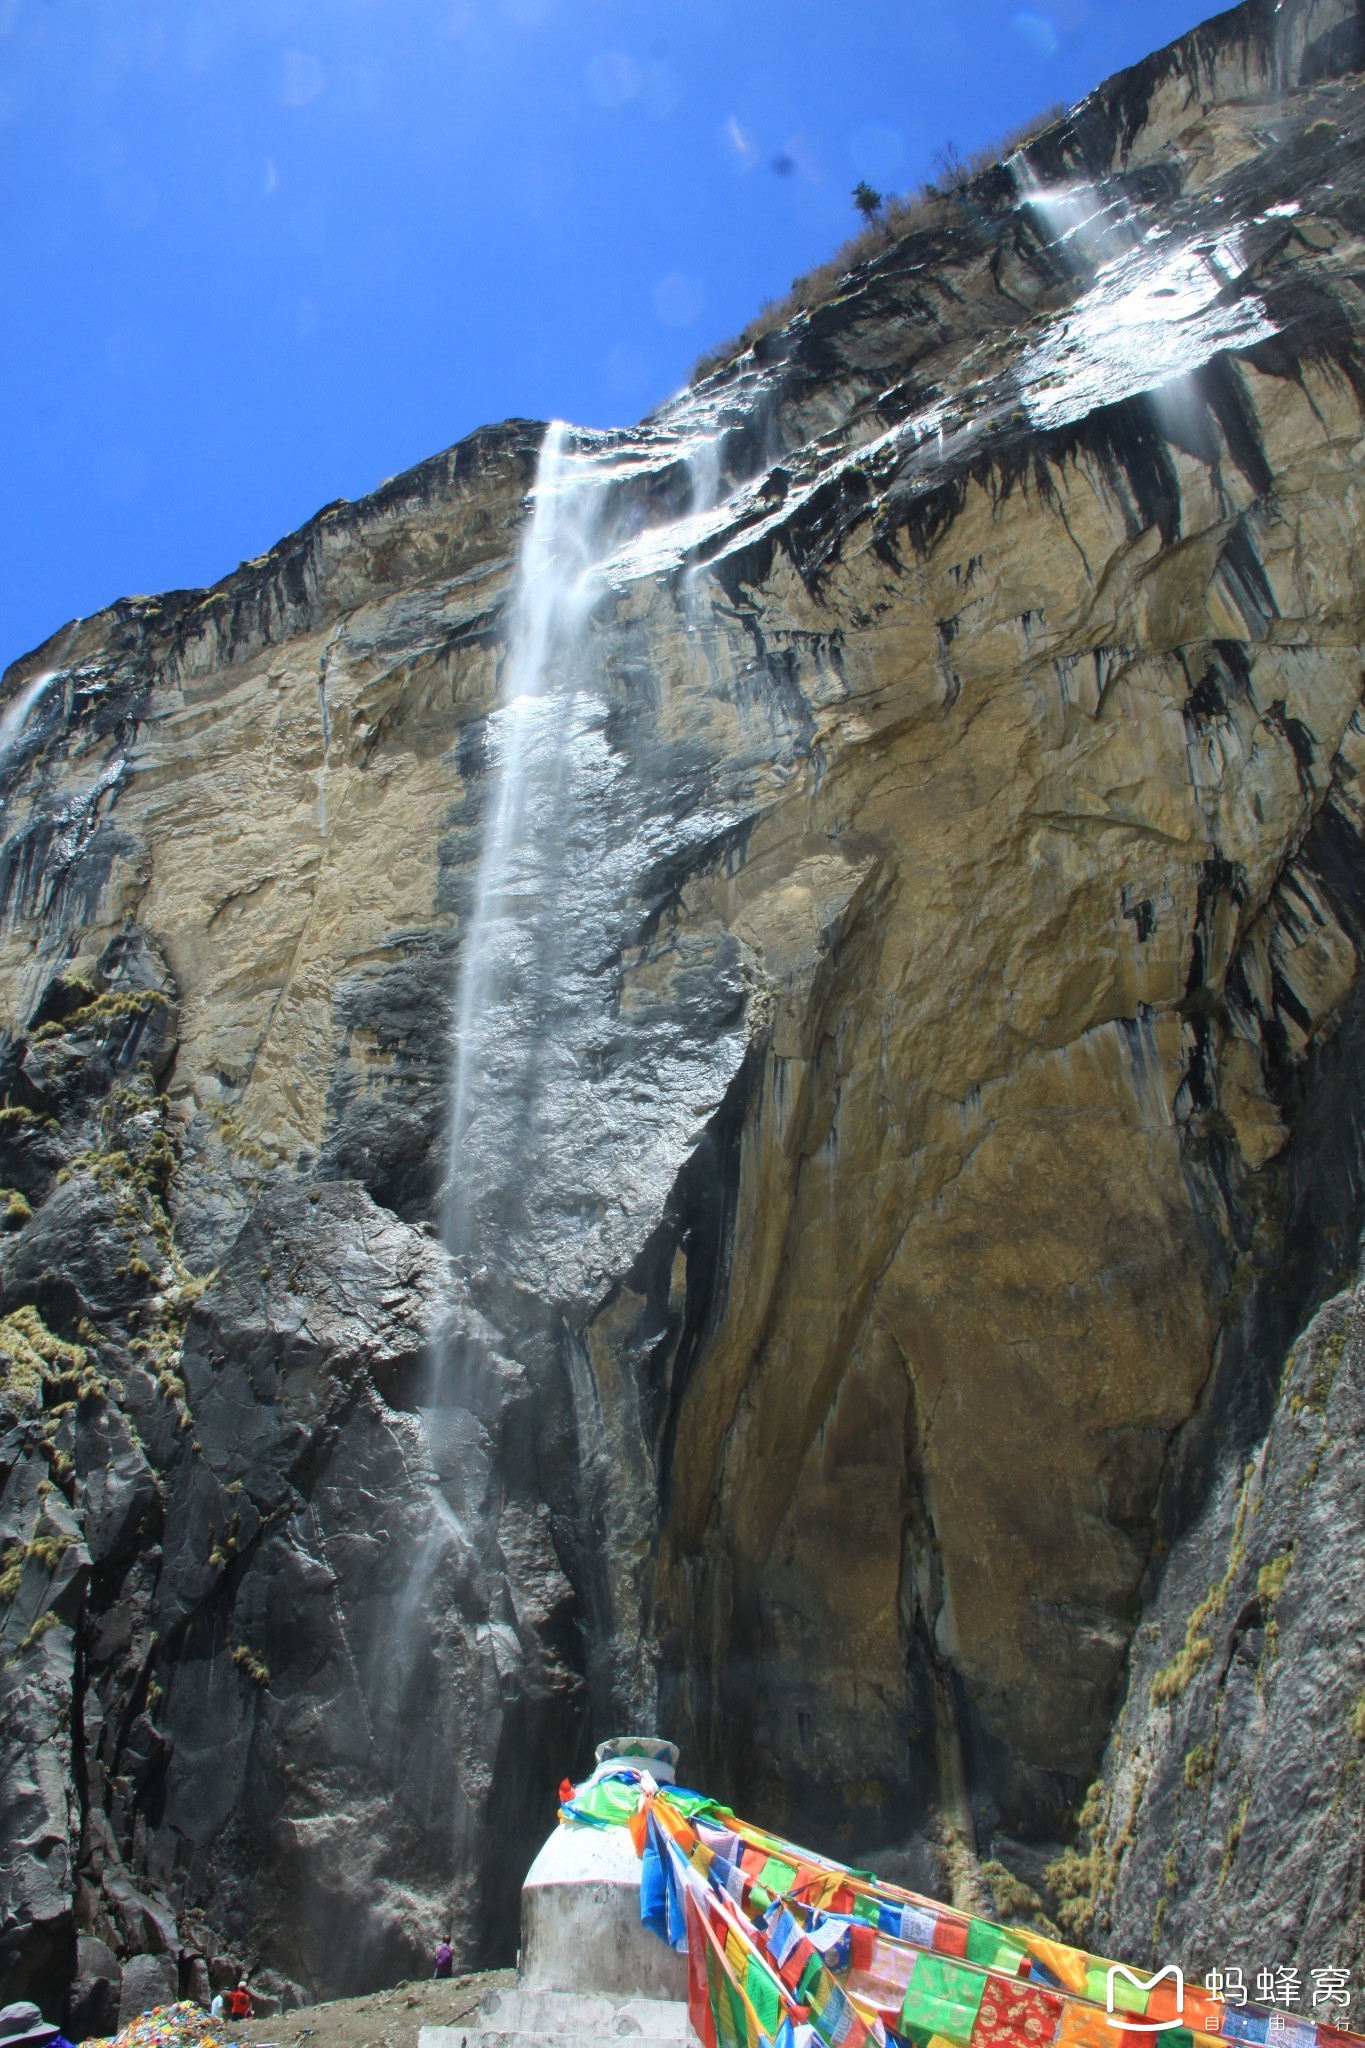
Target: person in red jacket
point(239, 2001)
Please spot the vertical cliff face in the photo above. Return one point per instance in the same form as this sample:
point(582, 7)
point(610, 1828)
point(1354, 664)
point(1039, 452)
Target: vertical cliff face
point(1228, 1820)
point(920, 1154)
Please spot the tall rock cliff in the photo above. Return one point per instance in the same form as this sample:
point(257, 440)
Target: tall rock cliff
point(924, 1119)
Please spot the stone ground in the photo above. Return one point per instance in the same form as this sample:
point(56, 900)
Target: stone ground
point(382, 2019)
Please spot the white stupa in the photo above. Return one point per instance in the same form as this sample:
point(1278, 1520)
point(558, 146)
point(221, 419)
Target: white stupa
point(580, 1904)
point(588, 1972)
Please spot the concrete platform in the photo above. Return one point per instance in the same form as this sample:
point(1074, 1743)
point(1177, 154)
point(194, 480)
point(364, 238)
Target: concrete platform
point(563, 2019)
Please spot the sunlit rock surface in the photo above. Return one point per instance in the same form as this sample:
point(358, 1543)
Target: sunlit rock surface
point(947, 1115)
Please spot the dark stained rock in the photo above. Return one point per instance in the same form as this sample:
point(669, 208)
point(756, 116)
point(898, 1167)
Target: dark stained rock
point(39, 1819)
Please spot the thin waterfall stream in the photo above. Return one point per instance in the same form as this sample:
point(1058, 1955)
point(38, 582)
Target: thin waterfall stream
point(578, 804)
point(512, 941)
point(560, 845)
point(16, 714)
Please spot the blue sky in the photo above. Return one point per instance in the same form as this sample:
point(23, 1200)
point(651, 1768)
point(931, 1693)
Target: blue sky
point(259, 254)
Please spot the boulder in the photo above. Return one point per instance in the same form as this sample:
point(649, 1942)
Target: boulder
point(148, 1981)
point(95, 1998)
point(194, 1980)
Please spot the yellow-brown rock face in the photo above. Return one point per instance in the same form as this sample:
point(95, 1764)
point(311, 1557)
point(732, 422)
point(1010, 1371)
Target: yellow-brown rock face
point(958, 875)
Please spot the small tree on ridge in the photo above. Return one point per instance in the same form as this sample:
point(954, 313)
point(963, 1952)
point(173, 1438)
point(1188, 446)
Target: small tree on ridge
point(867, 200)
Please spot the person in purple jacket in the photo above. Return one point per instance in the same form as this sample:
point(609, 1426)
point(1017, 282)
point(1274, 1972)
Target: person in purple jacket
point(445, 1961)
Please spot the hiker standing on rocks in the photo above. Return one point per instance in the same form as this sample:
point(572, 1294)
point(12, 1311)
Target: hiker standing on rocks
point(445, 1961)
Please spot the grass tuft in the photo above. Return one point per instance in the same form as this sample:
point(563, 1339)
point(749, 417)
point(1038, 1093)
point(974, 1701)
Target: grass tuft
point(106, 1009)
point(1173, 1678)
point(255, 1668)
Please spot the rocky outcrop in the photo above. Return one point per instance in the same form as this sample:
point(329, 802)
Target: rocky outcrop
point(930, 1151)
point(1228, 1825)
point(214, 1493)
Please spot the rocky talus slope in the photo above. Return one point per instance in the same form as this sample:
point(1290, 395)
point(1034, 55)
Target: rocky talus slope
point(947, 1118)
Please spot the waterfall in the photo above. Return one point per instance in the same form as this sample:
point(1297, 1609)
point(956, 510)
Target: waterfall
point(571, 1108)
point(1151, 306)
point(566, 832)
point(16, 714)
point(513, 934)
